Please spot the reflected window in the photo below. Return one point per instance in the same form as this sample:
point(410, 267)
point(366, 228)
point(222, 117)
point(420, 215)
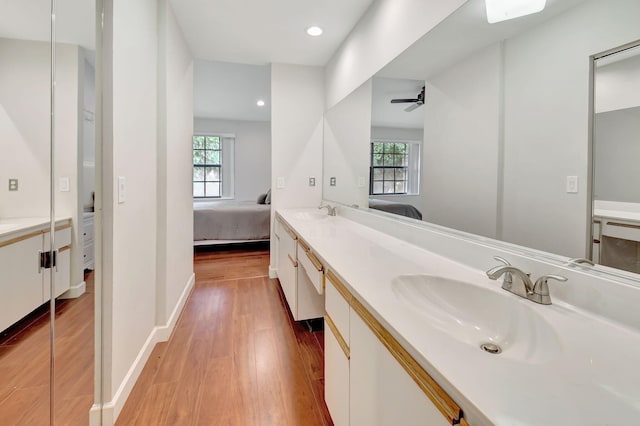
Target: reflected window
point(207, 166)
point(394, 168)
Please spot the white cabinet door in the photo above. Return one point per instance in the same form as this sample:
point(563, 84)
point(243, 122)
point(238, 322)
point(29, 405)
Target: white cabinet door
point(63, 265)
point(20, 282)
point(381, 392)
point(336, 379)
point(287, 268)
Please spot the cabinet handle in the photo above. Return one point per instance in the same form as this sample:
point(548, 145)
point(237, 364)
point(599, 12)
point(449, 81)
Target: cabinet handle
point(293, 262)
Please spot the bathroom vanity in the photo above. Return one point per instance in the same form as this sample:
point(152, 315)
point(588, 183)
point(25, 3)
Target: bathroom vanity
point(407, 309)
point(23, 285)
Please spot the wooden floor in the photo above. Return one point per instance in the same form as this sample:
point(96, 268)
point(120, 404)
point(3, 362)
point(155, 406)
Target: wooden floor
point(24, 365)
point(235, 357)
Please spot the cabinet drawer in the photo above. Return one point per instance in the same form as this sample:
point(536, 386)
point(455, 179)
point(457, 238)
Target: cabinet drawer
point(337, 299)
point(312, 266)
point(287, 240)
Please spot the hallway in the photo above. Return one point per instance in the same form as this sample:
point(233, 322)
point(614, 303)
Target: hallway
point(235, 356)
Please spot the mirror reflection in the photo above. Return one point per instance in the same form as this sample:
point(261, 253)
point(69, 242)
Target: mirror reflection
point(506, 126)
point(616, 194)
point(28, 383)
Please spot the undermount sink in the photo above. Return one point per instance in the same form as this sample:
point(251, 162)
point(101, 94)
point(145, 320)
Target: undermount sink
point(310, 215)
point(477, 315)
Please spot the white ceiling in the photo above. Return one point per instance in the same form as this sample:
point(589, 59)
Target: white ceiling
point(266, 31)
point(230, 91)
point(386, 114)
point(462, 33)
point(29, 20)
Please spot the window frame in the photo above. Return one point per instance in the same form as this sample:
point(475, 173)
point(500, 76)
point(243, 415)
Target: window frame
point(206, 165)
point(405, 166)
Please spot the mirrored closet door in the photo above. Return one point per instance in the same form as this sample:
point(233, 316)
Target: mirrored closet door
point(47, 106)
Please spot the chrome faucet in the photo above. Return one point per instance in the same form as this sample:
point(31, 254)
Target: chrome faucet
point(331, 211)
point(519, 283)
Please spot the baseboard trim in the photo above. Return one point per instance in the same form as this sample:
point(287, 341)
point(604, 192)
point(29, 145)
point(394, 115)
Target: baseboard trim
point(75, 291)
point(164, 331)
point(111, 410)
point(273, 272)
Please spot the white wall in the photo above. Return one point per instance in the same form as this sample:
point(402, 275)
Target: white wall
point(387, 28)
point(175, 131)
point(616, 153)
point(618, 84)
point(129, 229)
point(407, 135)
point(252, 153)
point(347, 139)
point(461, 144)
point(296, 137)
point(547, 122)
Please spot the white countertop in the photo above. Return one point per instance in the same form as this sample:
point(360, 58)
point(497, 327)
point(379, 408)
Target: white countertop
point(589, 377)
point(14, 226)
point(617, 210)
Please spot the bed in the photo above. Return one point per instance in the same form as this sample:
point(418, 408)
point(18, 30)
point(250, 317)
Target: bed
point(396, 208)
point(230, 221)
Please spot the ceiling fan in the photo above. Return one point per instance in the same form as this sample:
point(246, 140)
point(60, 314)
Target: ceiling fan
point(419, 101)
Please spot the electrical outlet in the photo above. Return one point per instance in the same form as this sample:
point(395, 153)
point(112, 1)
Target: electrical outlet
point(13, 184)
point(332, 181)
point(280, 184)
point(361, 181)
point(312, 181)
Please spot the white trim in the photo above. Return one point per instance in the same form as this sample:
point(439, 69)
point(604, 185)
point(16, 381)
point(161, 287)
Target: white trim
point(111, 410)
point(273, 272)
point(164, 331)
point(75, 291)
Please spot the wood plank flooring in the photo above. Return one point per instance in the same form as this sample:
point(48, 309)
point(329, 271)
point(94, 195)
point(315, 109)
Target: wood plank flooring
point(24, 364)
point(236, 357)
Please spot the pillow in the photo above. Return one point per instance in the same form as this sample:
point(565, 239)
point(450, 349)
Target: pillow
point(262, 198)
point(267, 199)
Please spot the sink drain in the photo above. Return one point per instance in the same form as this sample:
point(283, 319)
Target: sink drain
point(491, 348)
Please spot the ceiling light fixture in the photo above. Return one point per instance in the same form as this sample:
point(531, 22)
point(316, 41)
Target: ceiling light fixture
point(314, 31)
point(260, 103)
point(501, 10)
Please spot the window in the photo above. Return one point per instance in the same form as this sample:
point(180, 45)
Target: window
point(207, 166)
point(389, 168)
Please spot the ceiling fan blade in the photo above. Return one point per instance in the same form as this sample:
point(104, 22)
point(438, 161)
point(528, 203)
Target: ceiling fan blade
point(412, 107)
point(403, 101)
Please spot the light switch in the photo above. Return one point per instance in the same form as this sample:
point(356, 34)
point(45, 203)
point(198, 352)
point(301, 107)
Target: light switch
point(64, 184)
point(572, 184)
point(361, 181)
point(122, 190)
point(280, 182)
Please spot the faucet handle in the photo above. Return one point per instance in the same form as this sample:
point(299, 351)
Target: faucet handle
point(508, 278)
point(502, 260)
point(541, 288)
point(579, 260)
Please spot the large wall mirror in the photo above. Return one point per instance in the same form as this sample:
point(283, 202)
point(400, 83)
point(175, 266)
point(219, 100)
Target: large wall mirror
point(47, 116)
point(497, 144)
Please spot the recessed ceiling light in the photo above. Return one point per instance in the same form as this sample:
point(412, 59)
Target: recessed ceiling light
point(314, 31)
point(260, 102)
point(501, 10)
